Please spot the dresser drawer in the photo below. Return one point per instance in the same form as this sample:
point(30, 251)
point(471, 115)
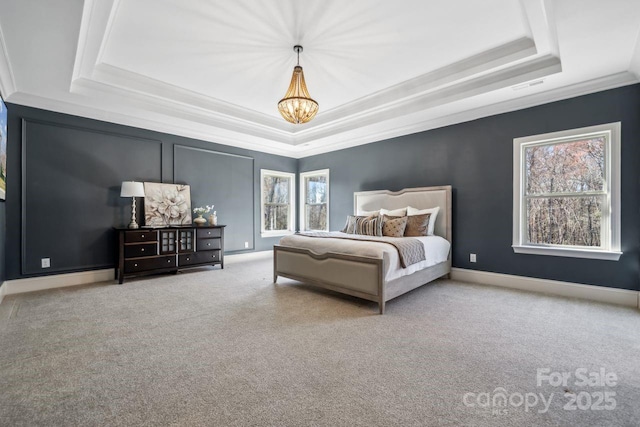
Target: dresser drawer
point(208, 244)
point(142, 264)
point(140, 249)
point(201, 257)
point(140, 236)
point(205, 233)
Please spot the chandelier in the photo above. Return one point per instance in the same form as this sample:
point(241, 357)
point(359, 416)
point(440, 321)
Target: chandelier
point(297, 106)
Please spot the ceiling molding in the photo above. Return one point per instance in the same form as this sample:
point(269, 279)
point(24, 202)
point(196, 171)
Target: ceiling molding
point(124, 79)
point(152, 104)
point(449, 74)
point(351, 139)
point(97, 19)
point(522, 72)
point(178, 126)
point(129, 81)
point(540, 17)
point(533, 100)
point(7, 79)
point(634, 65)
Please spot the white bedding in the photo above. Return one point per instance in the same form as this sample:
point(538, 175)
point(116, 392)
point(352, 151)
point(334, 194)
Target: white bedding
point(436, 251)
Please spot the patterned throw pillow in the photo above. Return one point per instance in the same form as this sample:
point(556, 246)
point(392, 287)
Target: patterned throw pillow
point(393, 226)
point(353, 221)
point(349, 225)
point(368, 226)
point(417, 225)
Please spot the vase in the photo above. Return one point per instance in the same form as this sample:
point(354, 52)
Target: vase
point(200, 220)
point(213, 219)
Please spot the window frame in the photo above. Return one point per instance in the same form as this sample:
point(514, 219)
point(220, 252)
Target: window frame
point(610, 223)
point(303, 197)
point(291, 226)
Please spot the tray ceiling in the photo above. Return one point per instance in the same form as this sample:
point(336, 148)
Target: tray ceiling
point(215, 69)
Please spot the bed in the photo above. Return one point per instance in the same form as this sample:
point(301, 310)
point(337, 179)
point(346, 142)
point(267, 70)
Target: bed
point(367, 269)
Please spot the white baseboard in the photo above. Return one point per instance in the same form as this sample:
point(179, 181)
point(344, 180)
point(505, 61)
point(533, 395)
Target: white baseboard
point(32, 284)
point(248, 256)
point(573, 290)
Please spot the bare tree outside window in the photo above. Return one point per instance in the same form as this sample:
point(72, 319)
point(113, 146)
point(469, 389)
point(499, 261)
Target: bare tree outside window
point(277, 192)
point(315, 208)
point(314, 200)
point(565, 192)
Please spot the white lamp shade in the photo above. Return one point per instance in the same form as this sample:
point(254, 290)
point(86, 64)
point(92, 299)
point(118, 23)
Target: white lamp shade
point(132, 189)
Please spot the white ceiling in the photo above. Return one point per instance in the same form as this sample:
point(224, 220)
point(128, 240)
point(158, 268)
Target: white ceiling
point(215, 69)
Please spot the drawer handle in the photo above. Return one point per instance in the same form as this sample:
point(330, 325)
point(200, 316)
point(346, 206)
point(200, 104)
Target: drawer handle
point(135, 265)
point(168, 260)
point(188, 259)
point(208, 244)
point(209, 232)
point(142, 250)
point(143, 236)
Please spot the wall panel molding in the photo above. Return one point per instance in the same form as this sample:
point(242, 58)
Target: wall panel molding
point(81, 167)
point(226, 180)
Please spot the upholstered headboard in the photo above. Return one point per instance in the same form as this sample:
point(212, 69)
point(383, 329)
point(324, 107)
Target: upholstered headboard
point(419, 198)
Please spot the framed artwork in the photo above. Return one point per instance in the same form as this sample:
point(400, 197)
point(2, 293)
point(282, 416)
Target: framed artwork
point(166, 204)
point(3, 150)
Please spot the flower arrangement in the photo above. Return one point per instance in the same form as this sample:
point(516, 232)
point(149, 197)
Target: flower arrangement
point(201, 211)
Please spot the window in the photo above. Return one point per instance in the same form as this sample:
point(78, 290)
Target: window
point(314, 200)
point(566, 193)
point(278, 202)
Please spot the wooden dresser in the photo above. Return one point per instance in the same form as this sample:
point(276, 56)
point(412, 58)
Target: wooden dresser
point(167, 250)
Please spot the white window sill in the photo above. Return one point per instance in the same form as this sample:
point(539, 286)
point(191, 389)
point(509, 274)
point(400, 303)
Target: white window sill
point(568, 252)
point(278, 233)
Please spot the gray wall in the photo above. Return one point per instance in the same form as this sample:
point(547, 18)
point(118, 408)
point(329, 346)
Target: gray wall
point(476, 159)
point(69, 180)
point(64, 176)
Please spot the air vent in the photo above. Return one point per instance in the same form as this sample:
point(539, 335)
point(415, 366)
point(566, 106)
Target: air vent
point(528, 84)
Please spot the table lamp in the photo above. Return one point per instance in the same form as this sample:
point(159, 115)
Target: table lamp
point(132, 189)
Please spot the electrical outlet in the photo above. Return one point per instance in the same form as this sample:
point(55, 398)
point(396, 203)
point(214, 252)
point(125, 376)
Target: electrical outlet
point(246, 245)
point(472, 257)
point(46, 262)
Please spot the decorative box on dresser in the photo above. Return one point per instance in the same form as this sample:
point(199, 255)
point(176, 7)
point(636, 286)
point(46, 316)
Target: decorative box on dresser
point(167, 250)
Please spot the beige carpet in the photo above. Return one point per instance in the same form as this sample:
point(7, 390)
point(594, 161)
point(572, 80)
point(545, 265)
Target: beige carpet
point(229, 348)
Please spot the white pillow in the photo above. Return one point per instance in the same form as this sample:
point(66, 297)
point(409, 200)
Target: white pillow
point(432, 219)
point(395, 212)
point(368, 213)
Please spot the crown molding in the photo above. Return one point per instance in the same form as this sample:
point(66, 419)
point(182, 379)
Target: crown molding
point(111, 76)
point(177, 126)
point(436, 87)
point(505, 77)
point(7, 79)
point(326, 144)
point(146, 105)
point(97, 20)
point(634, 65)
point(539, 15)
point(483, 62)
point(365, 137)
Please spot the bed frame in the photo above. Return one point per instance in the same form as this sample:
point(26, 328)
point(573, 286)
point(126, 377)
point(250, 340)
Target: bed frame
point(362, 276)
